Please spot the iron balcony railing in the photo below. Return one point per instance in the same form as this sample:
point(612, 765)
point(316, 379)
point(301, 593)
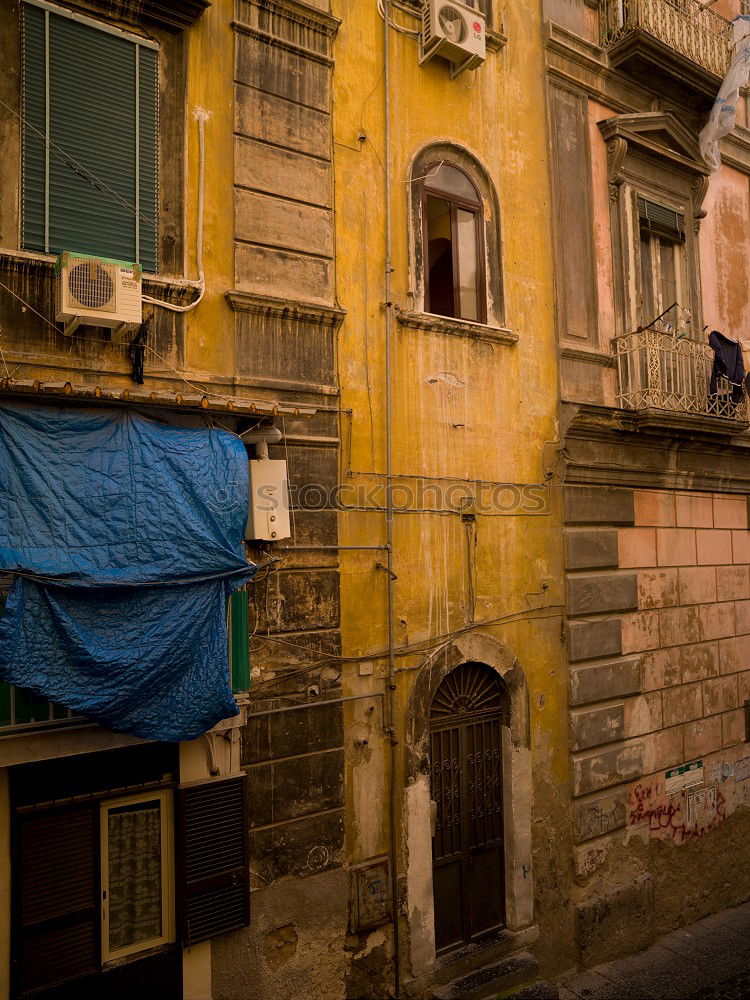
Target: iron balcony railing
point(658, 370)
point(697, 32)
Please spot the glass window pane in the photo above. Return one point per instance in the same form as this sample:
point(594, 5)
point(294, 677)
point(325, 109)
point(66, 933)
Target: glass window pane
point(468, 271)
point(668, 269)
point(440, 257)
point(648, 311)
point(135, 876)
point(452, 181)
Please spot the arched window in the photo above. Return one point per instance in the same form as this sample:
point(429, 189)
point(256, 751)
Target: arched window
point(453, 219)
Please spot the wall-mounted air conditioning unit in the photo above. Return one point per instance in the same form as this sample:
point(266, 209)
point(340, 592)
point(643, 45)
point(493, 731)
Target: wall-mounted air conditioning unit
point(454, 31)
point(98, 292)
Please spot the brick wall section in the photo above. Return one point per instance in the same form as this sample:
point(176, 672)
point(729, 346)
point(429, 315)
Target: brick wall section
point(659, 638)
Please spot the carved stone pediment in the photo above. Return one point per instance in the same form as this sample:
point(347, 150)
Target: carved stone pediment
point(659, 135)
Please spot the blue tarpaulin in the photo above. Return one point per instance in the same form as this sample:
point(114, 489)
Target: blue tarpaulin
point(127, 537)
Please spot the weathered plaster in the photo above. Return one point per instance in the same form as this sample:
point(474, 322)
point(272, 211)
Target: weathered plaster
point(517, 790)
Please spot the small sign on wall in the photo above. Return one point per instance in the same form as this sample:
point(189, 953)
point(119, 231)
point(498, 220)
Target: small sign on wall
point(370, 888)
point(679, 778)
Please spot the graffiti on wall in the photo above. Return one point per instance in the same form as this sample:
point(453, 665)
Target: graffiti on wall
point(688, 814)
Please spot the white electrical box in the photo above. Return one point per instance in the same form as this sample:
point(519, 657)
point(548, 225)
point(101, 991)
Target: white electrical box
point(268, 517)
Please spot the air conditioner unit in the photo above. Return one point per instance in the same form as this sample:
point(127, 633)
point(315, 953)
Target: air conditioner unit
point(98, 292)
point(454, 31)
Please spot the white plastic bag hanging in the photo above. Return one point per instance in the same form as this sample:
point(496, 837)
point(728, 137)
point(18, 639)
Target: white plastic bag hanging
point(724, 111)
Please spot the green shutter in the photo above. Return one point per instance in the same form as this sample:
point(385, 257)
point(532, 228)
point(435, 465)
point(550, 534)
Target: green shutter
point(661, 221)
point(33, 110)
point(97, 93)
point(239, 642)
point(149, 144)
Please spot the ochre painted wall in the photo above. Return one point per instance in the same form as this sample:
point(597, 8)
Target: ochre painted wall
point(463, 409)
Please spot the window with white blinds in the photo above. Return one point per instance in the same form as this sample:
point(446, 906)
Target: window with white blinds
point(90, 118)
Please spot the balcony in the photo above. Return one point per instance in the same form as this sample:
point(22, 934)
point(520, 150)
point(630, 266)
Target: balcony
point(671, 44)
point(664, 377)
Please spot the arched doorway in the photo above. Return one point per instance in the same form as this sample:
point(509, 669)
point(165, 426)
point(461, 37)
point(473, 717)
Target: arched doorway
point(466, 782)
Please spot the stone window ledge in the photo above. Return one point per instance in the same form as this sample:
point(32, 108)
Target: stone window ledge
point(457, 327)
point(171, 289)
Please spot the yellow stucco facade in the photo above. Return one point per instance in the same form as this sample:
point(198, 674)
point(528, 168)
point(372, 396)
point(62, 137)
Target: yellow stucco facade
point(467, 409)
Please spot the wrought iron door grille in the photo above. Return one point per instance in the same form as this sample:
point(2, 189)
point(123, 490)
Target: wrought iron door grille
point(446, 791)
point(484, 774)
point(471, 689)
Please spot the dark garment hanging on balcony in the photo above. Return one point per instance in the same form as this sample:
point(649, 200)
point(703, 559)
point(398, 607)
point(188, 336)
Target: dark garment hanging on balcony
point(728, 363)
point(126, 538)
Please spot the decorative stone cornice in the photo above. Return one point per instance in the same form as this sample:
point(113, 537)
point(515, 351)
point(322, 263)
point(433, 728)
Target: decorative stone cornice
point(614, 447)
point(282, 43)
point(590, 421)
point(456, 327)
point(293, 10)
point(286, 309)
point(590, 357)
point(642, 130)
point(174, 15)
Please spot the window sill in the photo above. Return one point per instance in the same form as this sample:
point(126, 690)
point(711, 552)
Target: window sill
point(457, 327)
point(173, 289)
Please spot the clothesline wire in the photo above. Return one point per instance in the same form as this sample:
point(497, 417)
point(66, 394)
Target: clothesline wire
point(2, 355)
point(101, 340)
point(125, 346)
point(79, 169)
point(428, 646)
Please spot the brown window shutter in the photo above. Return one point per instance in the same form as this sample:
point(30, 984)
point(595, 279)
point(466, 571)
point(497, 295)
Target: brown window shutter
point(56, 898)
point(213, 887)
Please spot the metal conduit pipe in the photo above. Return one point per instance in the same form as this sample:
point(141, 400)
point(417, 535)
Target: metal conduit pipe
point(261, 438)
point(391, 690)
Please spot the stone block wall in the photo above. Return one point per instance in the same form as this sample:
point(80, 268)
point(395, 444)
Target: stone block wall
point(659, 646)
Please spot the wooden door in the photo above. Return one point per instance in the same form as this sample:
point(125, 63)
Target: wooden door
point(468, 849)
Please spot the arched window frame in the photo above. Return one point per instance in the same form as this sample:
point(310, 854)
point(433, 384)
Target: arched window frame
point(491, 284)
point(456, 203)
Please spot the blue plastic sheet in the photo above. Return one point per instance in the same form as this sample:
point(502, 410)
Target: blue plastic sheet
point(127, 533)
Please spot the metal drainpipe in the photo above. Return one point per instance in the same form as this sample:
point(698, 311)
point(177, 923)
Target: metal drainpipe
point(391, 699)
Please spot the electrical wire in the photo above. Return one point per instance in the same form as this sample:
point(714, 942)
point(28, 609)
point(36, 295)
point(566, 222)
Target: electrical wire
point(100, 340)
point(27, 305)
point(409, 32)
point(98, 184)
point(425, 646)
point(78, 168)
point(201, 116)
point(5, 363)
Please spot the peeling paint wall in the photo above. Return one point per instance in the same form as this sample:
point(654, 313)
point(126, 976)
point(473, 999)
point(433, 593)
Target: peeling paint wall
point(658, 592)
point(467, 406)
point(656, 520)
